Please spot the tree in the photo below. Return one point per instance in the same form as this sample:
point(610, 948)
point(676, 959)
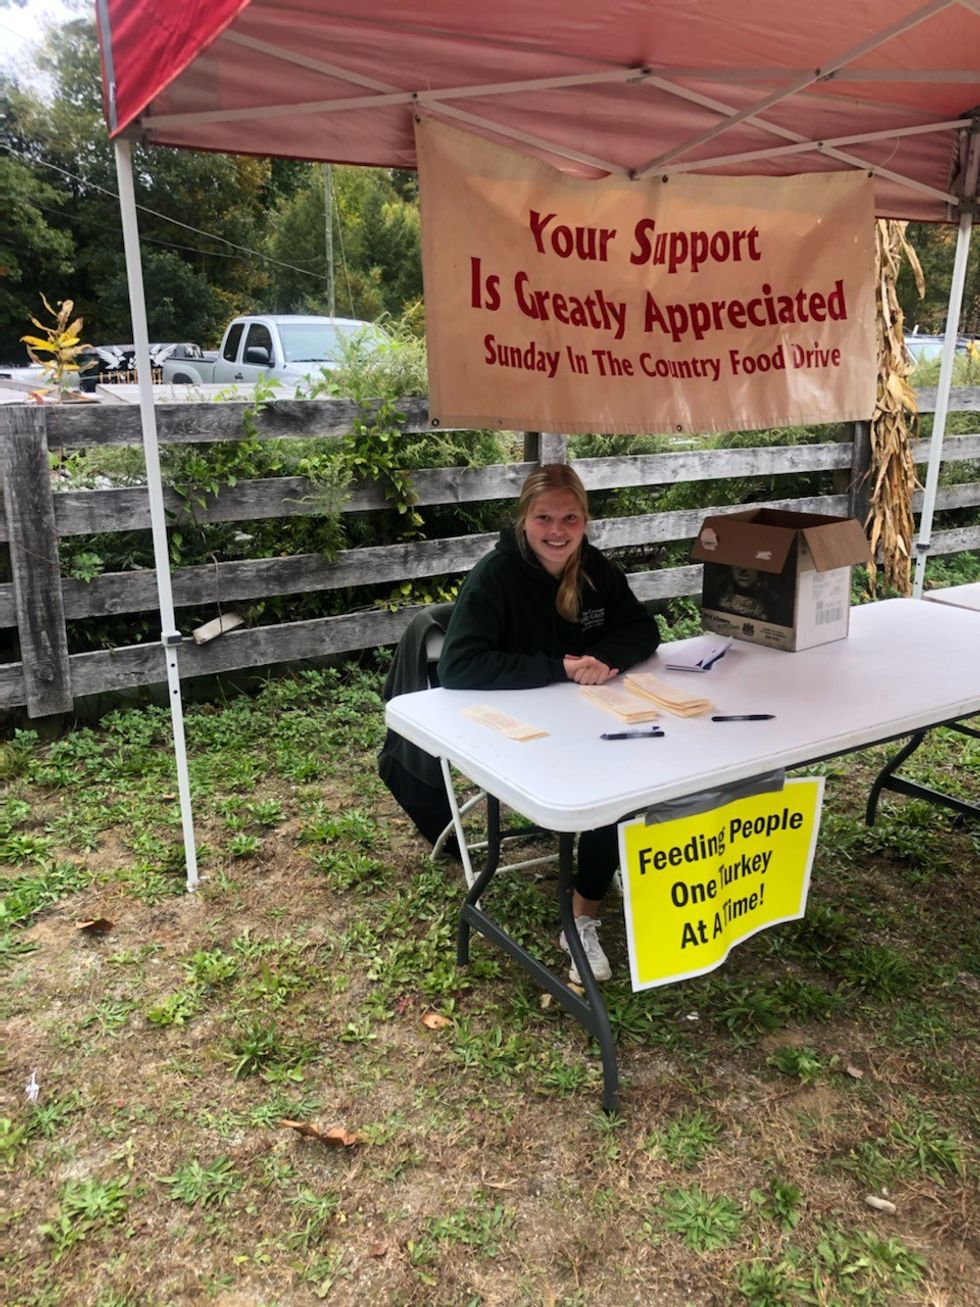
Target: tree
point(221, 234)
point(935, 244)
point(190, 277)
point(35, 255)
point(376, 244)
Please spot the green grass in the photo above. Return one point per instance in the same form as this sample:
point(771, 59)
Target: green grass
point(829, 1058)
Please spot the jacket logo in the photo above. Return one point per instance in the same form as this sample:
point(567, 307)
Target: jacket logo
point(591, 618)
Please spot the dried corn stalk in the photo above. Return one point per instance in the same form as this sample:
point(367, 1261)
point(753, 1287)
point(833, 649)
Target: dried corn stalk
point(896, 418)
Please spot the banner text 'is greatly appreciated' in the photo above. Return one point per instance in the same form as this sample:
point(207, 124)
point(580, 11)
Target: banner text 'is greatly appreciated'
point(683, 303)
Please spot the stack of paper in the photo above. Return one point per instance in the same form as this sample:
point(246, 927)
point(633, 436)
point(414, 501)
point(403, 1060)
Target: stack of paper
point(506, 725)
point(665, 697)
point(618, 700)
point(697, 655)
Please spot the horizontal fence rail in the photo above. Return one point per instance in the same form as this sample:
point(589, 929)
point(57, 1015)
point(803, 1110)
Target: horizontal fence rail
point(37, 601)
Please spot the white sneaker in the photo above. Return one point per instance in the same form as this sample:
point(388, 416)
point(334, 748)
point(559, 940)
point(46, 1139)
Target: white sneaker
point(598, 961)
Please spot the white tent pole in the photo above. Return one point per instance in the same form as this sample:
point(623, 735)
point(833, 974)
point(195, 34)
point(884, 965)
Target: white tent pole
point(924, 541)
point(169, 635)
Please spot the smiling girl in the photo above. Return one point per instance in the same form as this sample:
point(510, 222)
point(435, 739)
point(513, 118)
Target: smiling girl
point(544, 605)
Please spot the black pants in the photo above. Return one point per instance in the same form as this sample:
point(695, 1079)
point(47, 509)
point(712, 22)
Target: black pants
point(598, 858)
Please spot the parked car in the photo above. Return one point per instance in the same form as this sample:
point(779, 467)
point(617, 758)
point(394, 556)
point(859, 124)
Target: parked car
point(924, 348)
point(287, 346)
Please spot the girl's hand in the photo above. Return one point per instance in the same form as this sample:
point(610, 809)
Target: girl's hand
point(586, 670)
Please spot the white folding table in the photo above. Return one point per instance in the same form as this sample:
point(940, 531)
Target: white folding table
point(961, 596)
point(905, 667)
point(966, 597)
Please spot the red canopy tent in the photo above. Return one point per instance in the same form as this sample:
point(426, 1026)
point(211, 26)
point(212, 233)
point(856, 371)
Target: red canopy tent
point(634, 88)
point(639, 86)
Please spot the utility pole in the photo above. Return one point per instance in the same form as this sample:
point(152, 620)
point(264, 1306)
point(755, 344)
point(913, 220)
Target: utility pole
point(328, 234)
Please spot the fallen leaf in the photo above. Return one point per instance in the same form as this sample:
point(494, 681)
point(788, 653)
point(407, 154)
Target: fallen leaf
point(335, 1137)
point(97, 926)
point(544, 1002)
point(881, 1204)
point(377, 1250)
point(854, 1072)
point(435, 1020)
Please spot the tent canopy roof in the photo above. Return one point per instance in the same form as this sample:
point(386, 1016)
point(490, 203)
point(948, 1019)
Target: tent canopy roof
point(633, 88)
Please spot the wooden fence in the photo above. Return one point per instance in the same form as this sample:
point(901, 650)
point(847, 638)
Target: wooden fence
point(37, 600)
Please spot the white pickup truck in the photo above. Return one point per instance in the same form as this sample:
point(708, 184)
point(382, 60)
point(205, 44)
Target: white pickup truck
point(285, 346)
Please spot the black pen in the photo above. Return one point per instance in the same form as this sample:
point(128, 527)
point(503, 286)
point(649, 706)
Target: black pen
point(632, 735)
point(747, 717)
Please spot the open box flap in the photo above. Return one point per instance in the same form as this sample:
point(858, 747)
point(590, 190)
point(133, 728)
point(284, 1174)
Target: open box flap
point(838, 544)
point(738, 541)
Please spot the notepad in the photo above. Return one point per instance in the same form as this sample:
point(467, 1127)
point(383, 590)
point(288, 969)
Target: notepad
point(620, 702)
point(665, 696)
point(499, 721)
point(698, 655)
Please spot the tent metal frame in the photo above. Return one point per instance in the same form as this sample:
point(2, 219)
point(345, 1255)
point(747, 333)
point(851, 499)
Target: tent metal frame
point(961, 200)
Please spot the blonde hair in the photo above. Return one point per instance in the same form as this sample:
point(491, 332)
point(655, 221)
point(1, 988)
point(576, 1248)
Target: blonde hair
point(548, 477)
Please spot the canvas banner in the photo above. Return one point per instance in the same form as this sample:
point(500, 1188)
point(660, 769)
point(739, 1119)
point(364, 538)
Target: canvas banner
point(681, 303)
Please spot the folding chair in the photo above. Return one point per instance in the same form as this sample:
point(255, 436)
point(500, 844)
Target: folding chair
point(433, 647)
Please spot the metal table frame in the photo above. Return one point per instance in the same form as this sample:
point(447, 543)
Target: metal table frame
point(590, 1011)
point(544, 783)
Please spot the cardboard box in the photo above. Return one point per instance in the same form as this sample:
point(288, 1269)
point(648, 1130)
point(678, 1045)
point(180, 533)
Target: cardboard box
point(778, 578)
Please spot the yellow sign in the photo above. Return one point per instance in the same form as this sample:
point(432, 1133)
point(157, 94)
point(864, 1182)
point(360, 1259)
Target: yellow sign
point(697, 886)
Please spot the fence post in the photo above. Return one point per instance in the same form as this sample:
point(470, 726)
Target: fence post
point(34, 564)
point(545, 447)
point(859, 486)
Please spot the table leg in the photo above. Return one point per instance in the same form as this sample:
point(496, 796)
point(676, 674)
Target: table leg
point(472, 899)
point(883, 779)
point(591, 1013)
point(887, 780)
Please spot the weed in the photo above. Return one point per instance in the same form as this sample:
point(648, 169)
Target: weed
point(12, 1137)
point(482, 1229)
point(314, 1213)
point(765, 1283)
point(862, 1266)
point(259, 1049)
point(684, 1142)
point(47, 1118)
point(702, 1221)
point(200, 1186)
point(12, 813)
point(782, 1203)
point(346, 870)
point(25, 896)
point(85, 1206)
point(19, 849)
point(255, 1047)
point(266, 812)
point(358, 1032)
point(803, 1063)
point(323, 1271)
point(176, 1009)
point(108, 1017)
point(877, 969)
point(13, 946)
point(746, 1010)
point(930, 1148)
point(275, 986)
point(212, 967)
point(243, 846)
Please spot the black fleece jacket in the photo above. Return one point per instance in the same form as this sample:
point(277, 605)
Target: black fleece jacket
point(506, 633)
